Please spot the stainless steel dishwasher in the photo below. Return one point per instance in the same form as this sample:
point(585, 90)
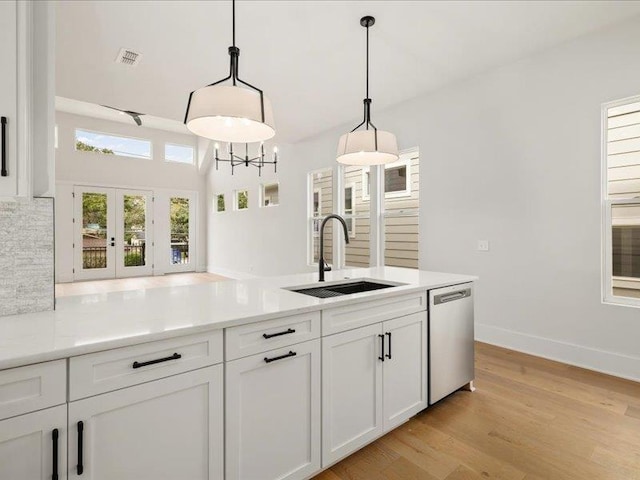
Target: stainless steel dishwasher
point(451, 336)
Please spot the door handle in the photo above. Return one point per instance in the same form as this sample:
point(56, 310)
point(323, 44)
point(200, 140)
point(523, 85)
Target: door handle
point(389, 354)
point(54, 438)
point(381, 337)
point(175, 356)
point(113, 241)
point(3, 170)
point(80, 466)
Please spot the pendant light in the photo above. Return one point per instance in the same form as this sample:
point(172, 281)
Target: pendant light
point(230, 113)
point(369, 146)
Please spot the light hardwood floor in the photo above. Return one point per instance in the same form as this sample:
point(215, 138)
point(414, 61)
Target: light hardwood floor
point(135, 283)
point(529, 419)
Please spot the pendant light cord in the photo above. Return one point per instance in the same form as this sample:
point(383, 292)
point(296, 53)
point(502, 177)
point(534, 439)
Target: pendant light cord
point(367, 61)
point(233, 21)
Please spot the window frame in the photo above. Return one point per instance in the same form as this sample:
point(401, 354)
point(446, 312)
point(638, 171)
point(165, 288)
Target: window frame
point(215, 203)
point(173, 162)
point(607, 205)
point(353, 215)
point(236, 207)
point(262, 194)
point(117, 135)
point(401, 162)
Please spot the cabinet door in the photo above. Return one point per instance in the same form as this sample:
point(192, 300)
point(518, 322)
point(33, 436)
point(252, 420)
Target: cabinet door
point(351, 391)
point(273, 414)
point(405, 368)
point(162, 430)
point(9, 92)
point(27, 445)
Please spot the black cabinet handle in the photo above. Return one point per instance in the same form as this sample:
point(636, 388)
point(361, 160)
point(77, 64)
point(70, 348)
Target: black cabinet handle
point(54, 437)
point(286, 332)
point(286, 355)
point(175, 356)
point(381, 337)
point(389, 354)
point(80, 466)
point(3, 171)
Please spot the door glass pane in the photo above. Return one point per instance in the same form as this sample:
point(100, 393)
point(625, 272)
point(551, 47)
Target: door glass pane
point(135, 235)
point(401, 205)
point(625, 245)
point(179, 217)
point(94, 230)
point(356, 213)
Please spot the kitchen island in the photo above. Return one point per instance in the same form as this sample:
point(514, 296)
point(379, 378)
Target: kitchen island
point(236, 380)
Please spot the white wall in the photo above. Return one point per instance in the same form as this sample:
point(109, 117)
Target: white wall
point(511, 156)
point(88, 168)
point(258, 241)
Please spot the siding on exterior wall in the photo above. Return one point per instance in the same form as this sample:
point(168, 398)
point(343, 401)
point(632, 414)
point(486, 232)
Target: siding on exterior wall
point(324, 182)
point(623, 151)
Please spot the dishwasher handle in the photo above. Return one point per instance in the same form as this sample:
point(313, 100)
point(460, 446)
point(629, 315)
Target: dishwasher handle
point(451, 296)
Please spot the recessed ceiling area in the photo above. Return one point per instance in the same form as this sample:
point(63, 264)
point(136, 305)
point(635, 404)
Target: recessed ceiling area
point(308, 56)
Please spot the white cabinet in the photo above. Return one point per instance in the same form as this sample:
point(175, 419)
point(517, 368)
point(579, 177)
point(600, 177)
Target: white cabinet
point(404, 369)
point(351, 391)
point(273, 414)
point(161, 430)
point(29, 449)
point(9, 92)
point(373, 379)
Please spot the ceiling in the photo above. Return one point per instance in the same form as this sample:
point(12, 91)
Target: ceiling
point(308, 56)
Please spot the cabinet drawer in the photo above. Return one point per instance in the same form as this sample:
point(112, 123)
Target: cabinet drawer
point(101, 372)
point(259, 337)
point(34, 387)
point(347, 317)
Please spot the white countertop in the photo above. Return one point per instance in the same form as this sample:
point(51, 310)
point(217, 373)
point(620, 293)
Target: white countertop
point(89, 323)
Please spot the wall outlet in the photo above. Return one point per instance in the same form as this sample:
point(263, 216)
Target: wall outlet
point(483, 245)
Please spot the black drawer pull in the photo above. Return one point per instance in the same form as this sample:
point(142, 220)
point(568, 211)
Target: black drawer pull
point(389, 354)
point(381, 337)
point(286, 355)
point(3, 170)
point(286, 332)
point(80, 466)
point(54, 437)
point(175, 356)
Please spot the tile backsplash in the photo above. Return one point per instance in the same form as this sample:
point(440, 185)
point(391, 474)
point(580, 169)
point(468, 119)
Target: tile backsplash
point(26, 256)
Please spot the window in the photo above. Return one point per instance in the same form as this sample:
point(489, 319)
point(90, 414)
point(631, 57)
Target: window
point(621, 137)
point(178, 153)
point(179, 236)
point(108, 144)
point(401, 209)
point(388, 236)
point(397, 179)
point(357, 215)
point(219, 199)
point(269, 195)
point(320, 205)
point(242, 199)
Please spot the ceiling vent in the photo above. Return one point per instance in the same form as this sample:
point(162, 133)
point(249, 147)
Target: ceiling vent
point(127, 56)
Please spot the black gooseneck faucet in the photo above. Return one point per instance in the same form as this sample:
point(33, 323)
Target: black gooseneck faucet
point(321, 267)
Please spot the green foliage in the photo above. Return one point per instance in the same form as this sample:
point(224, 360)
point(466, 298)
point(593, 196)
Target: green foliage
point(243, 200)
point(94, 210)
point(83, 147)
point(134, 216)
point(179, 215)
point(221, 207)
point(133, 260)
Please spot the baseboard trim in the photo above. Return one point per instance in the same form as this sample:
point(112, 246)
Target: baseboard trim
point(235, 275)
point(623, 366)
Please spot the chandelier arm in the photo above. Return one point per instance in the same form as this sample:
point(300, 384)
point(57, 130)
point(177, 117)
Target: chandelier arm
point(359, 125)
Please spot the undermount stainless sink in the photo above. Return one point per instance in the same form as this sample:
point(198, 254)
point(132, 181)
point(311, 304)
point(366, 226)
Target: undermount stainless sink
point(338, 289)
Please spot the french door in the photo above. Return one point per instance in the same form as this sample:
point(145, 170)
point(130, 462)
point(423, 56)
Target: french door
point(113, 235)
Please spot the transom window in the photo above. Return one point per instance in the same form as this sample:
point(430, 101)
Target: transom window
point(178, 153)
point(109, 144)
point(621, 202)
